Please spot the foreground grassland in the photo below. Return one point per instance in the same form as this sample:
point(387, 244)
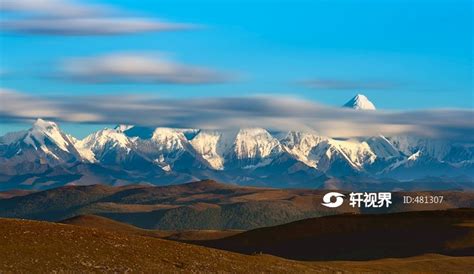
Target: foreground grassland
point(33, 246)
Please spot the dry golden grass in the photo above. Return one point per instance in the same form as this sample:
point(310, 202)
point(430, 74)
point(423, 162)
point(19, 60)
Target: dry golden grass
point(429, 263)
point(39, 247)
point(99, 222)
point(32, 246)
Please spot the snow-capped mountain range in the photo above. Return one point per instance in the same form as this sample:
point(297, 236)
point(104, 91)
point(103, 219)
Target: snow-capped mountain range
point(44, 156)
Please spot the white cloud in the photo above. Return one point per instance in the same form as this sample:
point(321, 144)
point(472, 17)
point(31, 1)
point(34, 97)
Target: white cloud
point(141, 68)
point(62, 17)
point(89, 26)
point(275, 113)
point(51, 7)
point(14, 104)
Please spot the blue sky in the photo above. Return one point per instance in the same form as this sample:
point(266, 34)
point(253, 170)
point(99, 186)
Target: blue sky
point(402, 54)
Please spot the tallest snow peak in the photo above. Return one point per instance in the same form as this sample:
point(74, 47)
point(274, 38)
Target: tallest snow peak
point(43, 124)
point(360, 101)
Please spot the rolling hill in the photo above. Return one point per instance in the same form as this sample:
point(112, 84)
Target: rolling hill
point(361, 236)
point(34, 246)
point(93, 221)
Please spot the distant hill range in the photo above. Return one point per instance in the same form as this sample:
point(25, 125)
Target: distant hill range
point(45, 157)
point(207, 205)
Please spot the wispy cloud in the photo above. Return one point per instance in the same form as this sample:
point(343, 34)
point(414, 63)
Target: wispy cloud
point(137, 68)
point(339, 84)
point(89, 26)
point(57, 8)
point(276, 113)
point(62, 17)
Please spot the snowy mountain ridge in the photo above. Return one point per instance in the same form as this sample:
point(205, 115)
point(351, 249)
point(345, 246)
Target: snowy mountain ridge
point(244, 156)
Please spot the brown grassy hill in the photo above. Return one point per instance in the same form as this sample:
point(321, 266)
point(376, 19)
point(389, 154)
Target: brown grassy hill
point(361, 237)
point(33, 246)
point(429, 263)
point(93, 221)
point(58, 202)
point(46, 247)
point(202, 235)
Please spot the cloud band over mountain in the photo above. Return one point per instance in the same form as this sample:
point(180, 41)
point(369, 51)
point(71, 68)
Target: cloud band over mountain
point(275, 113)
